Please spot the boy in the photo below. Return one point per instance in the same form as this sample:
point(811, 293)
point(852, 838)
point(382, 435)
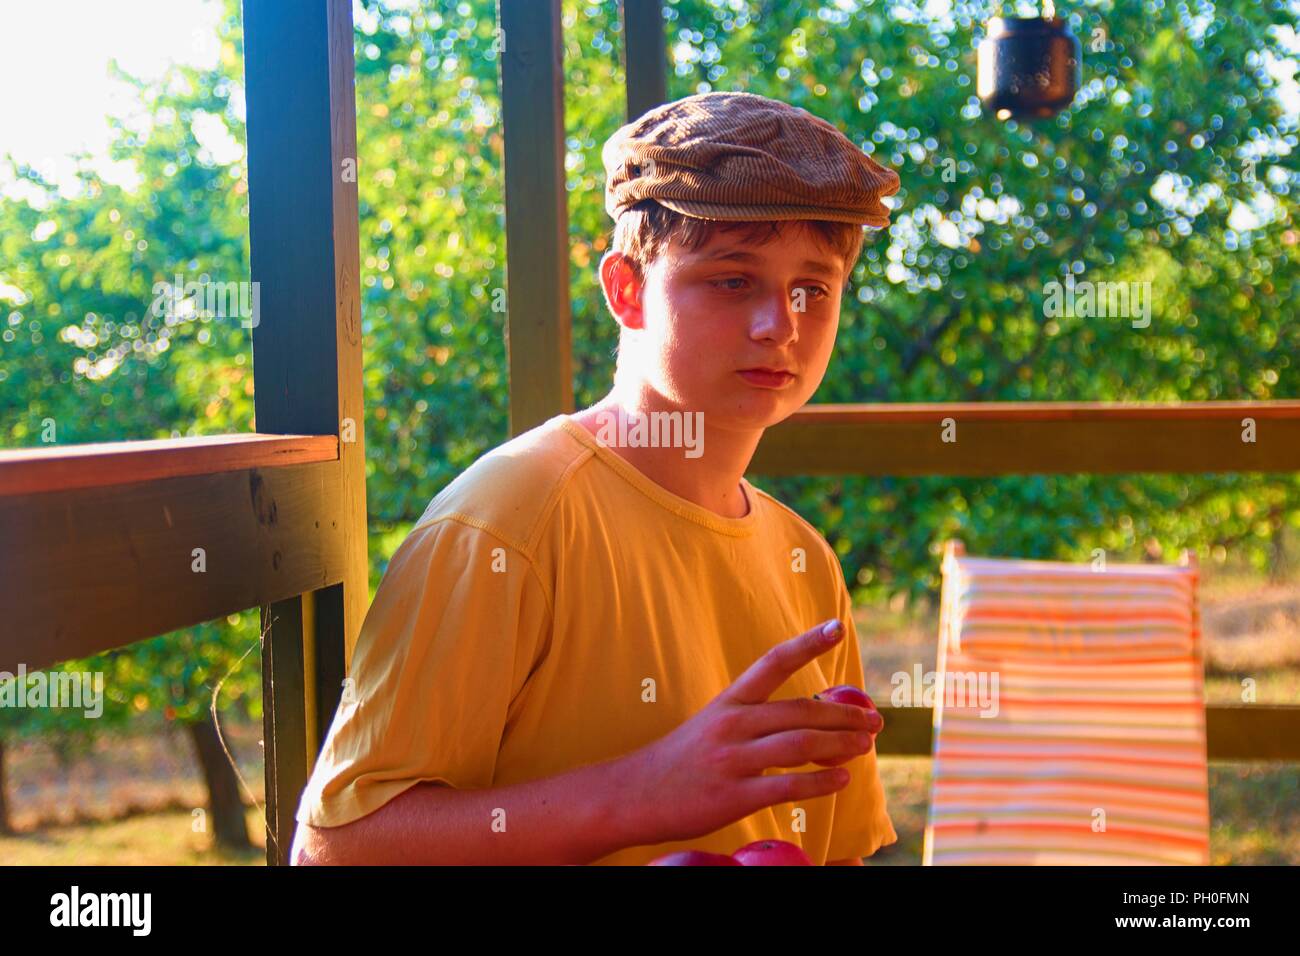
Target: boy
point(597, 646)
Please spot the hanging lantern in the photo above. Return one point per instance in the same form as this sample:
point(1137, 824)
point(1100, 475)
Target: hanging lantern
point(1028, 67)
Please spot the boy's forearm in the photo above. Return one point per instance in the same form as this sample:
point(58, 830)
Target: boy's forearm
point(575, 817)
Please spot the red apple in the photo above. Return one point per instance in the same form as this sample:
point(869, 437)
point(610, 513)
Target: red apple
point(844, 694)
point(772, 853)
point(693, 858)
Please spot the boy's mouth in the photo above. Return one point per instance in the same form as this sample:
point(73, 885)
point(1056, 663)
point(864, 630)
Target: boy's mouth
point(767, 377)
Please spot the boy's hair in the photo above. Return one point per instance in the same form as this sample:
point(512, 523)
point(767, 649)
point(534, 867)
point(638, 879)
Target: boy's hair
point(645, 230)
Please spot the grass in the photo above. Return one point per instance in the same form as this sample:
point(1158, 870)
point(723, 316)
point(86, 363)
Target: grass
point(152, 839)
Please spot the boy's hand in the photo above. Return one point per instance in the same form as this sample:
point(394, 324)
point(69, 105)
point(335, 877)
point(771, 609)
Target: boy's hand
point(710, 771)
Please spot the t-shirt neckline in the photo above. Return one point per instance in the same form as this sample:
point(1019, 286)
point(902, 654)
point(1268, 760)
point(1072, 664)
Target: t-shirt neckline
point(661, 495)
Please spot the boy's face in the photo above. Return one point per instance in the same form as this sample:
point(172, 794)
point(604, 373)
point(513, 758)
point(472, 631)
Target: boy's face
point(705, 317)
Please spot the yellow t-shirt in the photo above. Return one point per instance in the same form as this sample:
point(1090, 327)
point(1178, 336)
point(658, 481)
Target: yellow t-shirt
point(554, 607)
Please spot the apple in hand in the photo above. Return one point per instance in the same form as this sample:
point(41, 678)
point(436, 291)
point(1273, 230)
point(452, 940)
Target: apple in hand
point(845, 694)
point(772, 853)
point(694, 858)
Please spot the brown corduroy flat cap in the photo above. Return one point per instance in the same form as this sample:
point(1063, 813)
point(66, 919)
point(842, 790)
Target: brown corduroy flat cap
point(739, 156)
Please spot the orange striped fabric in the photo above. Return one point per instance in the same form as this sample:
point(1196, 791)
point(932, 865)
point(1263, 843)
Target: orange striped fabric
point(1069, 716)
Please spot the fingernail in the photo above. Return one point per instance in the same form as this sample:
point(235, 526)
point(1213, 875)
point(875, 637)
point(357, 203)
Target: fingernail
point(832, 629)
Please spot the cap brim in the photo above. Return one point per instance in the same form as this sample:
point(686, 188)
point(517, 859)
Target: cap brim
point(764, 213)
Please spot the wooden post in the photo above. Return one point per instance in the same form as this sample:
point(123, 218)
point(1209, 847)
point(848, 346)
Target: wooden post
point(303, 225)
point(646, 56)
point(538, 339)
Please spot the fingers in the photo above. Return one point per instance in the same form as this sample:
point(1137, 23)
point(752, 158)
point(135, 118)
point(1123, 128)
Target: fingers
point(789, 714)
point(774, 668)
point(774, 788)
point(794, 748)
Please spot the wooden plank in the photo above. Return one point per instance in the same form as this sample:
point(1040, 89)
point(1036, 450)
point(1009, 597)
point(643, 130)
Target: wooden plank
point(1035, 438)
point(90, 569)
point(538, 339)
point(1240, 732)
point(302, 684)
point(28, 471)
point(284, 715)
point(303, 228)
point(1009, 412)
point(907, 732)
point(302, 678)
point(646, 57)
point(328, 670)
point(1253, 732)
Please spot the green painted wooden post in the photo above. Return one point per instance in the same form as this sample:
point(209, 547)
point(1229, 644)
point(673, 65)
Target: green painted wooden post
point(646, 59)
point(306, 351)
point(537, 219)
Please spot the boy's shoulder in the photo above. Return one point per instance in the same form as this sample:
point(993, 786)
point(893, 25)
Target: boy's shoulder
point(509, 490)
point(797, 525)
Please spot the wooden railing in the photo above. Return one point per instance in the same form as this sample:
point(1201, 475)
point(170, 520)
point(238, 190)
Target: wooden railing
point(105, 539)
point(1233, 732)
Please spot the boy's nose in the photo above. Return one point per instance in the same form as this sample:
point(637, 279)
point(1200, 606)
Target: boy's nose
point(775, 320)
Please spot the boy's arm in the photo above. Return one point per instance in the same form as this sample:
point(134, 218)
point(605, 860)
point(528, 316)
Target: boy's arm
point(709, 771)
point(575, 817)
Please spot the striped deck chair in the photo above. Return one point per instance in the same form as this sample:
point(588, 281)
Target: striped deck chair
point(1087, 745)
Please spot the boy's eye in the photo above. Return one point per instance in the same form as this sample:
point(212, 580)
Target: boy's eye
point(723, 286)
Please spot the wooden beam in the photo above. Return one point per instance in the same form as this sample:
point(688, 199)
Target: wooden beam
point(303, 233)
point(1253, 732)
point(645, 59)
point(1233, 732)
point(1002, 438)
point(28, 471)
point(286, 631)
point(90, 569)
point(907, 732)
point(303, 240)
point(538, 339)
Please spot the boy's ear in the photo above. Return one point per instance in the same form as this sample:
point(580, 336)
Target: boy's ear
point(622, 289)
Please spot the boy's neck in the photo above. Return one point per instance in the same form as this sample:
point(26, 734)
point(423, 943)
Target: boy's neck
point(711, 480)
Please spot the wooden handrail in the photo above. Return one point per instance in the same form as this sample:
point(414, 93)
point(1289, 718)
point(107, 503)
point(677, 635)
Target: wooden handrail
point(1233, 732)
point(1011, 438)
point(28, 471)
point(900, 412)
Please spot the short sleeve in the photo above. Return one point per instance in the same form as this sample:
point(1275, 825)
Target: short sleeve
point(459, 622)
point(861, 823)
